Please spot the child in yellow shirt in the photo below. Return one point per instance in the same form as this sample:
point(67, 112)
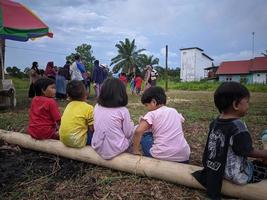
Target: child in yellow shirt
point(77, 120)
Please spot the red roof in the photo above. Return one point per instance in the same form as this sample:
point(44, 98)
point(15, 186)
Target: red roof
point(258, 64)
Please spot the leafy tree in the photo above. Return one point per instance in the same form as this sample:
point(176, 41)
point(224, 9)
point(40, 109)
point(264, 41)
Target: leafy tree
point(128, 56)
point(86, 53)
point(147, 60)
point(15, 72)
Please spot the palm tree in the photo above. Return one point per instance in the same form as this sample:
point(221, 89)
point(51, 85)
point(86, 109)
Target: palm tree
point(148, 60)
point(127, 58)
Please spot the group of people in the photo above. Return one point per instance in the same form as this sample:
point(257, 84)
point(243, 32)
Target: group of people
point(136, 80)
point(70, 71)
point(108, 128)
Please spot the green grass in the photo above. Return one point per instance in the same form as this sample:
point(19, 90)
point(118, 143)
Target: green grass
point(206, 86)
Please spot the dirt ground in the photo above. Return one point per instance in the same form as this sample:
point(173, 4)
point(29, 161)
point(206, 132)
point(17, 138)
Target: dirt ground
point(27, 174)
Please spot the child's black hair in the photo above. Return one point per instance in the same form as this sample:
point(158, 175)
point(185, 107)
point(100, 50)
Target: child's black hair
point(156, 93)
point(76, 90)
point(227, 93)
point(113, 94)
point(41, 85)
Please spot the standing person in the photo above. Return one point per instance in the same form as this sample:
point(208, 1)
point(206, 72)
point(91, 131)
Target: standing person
point(153, 76)
point(123, 78)
point(50, 70)
point(77, 121)
point(113, 125)
point(34, 74)
point(75, 73)
point(66, 68)
point(148, 70)
point(166, 140)
point(61, 84)
point(138, 83)
point(132, 84)
point(229, 144)
point(44, 113)
point(98, 77)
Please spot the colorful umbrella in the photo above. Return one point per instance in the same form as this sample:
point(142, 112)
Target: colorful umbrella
point(18, 23)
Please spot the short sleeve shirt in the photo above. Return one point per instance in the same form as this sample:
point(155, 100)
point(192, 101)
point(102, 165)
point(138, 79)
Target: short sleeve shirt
point(169, 141)
point(75, 120)
point(44, 114)
point(237, 168)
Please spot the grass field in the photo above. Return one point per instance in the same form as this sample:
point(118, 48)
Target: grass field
point(34, 175)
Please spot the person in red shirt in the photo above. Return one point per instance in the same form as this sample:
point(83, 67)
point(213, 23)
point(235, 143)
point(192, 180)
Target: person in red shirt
point(44, 113)
point(138, 83)
point(123, 78)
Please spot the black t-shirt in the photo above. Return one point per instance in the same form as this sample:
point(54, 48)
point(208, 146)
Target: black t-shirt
point(228, 140)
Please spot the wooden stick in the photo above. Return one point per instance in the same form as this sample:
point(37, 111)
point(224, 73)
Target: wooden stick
point(164, 170)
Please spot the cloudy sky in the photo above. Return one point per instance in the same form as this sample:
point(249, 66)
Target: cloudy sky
point(223, 29)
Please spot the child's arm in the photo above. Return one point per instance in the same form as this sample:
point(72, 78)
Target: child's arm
point(255, 153)
point(140, 130)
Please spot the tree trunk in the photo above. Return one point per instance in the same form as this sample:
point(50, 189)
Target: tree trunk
point(164, 170)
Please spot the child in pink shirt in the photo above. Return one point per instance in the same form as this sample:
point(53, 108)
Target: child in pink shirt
point(166, 141)
point(112, 122)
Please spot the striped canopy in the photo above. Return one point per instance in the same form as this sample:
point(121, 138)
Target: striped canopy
point(19, 23)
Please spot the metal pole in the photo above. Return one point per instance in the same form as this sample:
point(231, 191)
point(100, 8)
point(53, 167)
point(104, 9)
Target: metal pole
point(253, 33)
point(166, 69)
point(2, 55)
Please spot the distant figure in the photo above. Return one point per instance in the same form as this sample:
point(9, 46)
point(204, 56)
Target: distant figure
point(61, 83)
point(138, 83)
point(166, 139)
point(66, 68)
point(44, 113)
point(150, 76)
point(50, 70)
point(34, 74)
point(98, 77)
point(123, 78)
point(77, 121)
point(75, 72)
point(132, 84)
point(229, 144)
point(113, 125)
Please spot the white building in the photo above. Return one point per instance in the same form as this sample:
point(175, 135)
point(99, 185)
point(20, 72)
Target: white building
point(193, 62)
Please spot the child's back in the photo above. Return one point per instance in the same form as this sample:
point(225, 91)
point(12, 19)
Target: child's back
point(166, 139)
point(77, 120)
point(44, 113)
point(113, 131)
point(77, 116)
point(169, 142)
point(113, 125)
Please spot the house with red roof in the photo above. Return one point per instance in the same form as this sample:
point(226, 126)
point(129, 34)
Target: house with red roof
point(245, 71)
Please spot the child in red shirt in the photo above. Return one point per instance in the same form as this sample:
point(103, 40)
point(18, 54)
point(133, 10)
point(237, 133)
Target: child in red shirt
point(44, 113)
point(138, 83)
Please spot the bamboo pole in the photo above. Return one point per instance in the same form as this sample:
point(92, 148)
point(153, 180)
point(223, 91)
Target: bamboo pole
point(164, 170)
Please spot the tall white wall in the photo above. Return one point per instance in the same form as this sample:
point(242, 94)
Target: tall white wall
point(260, 78)
point(193, 63)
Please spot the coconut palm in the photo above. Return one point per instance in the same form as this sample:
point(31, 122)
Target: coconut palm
point(147, 60)
point(127, 57)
